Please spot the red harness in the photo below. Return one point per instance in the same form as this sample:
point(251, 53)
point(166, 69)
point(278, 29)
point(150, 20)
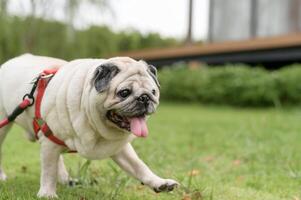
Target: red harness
point(28, 100)
point(38, 122)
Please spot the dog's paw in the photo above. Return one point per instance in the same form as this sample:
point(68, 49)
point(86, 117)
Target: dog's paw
point(3, 176)
point(73, 182)
point(46, 194)
point(166, 186)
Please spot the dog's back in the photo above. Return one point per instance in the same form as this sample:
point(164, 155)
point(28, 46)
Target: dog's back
point(16, 76)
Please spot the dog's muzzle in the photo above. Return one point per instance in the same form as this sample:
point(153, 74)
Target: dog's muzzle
point(132, 117)
point(144, 100)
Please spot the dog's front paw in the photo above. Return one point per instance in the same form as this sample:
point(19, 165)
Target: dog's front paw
point(46, 194)
point(166, 185)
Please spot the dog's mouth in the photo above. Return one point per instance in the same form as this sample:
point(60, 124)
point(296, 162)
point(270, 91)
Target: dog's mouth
point(134, 124)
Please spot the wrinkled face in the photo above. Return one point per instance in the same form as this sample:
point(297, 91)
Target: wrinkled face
point(132, 93)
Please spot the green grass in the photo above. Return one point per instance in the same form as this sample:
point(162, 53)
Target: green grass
point(245, 154)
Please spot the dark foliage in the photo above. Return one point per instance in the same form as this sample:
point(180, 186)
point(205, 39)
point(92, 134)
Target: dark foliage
point(232, 85)
point(51, 38)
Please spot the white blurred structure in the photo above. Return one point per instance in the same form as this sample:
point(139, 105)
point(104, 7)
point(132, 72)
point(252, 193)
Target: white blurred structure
point(246, 19)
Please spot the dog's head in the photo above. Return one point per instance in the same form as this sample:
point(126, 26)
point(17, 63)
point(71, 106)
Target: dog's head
point(130, 92)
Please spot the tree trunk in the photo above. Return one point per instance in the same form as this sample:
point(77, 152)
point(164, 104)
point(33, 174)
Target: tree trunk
point(190, 21)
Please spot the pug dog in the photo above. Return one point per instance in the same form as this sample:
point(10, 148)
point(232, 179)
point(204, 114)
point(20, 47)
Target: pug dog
point(96, 106)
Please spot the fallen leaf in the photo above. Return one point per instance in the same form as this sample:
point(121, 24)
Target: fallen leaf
point(140, 187)
point(237, 162)
point(208, 158)
point(186, 197)
point(194, 172)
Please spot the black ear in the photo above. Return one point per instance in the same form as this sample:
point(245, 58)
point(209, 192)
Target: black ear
point(153, 73)
point(103, 75)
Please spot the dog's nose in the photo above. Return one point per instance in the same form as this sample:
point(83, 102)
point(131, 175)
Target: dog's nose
point(144, 98)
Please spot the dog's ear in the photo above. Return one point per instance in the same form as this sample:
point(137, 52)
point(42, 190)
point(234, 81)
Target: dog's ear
point(103, 75)
point(153, 72)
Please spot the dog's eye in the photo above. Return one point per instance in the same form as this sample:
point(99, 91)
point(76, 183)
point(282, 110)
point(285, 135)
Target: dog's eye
point(154, 92)
point(124, 93)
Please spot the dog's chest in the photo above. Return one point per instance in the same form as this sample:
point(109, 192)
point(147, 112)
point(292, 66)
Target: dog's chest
point(102, 149)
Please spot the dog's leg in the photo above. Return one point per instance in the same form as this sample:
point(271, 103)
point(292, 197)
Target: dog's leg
point(50, 153)
point(128, 160)
point(63, 175)
point(3, 132)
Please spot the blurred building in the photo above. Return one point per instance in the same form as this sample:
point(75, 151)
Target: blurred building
point(255, 32)
point(246, 19)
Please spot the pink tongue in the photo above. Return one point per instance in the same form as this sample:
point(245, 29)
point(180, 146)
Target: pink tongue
point(138, 126)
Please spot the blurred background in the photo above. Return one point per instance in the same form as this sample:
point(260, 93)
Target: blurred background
point(94, 28)
point(247, 39)
point(228, 126)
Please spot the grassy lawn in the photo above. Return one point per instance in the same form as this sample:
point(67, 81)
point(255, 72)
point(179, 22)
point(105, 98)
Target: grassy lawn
point(216, 153)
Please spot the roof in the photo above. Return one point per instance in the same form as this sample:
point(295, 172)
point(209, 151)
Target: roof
point(214, 48)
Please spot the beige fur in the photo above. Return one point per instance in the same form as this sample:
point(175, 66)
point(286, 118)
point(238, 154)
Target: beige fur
point(75, 112)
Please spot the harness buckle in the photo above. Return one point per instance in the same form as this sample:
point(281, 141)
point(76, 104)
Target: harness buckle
point(31, 98)
point(44, 76)
point(35, 80)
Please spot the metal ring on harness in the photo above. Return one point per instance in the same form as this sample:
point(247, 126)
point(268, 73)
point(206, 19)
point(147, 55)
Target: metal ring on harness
point(30, 98)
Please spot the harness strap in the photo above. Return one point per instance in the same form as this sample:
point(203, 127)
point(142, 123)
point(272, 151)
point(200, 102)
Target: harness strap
point(17, 111)
point(38, 122)
point(48, 133)
point(42, 84)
